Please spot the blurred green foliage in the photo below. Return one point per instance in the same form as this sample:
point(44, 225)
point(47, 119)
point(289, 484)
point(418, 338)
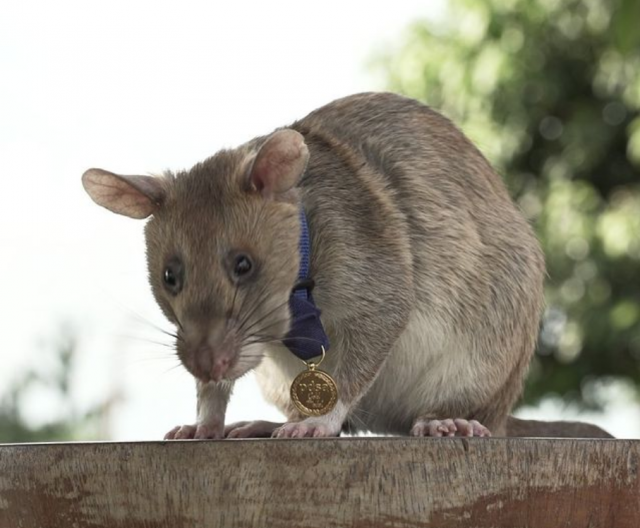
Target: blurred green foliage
point(54, 385)
point(550, 92)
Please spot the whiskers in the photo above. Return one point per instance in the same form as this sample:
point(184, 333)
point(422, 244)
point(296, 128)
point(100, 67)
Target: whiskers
point(163, 343)
point(159, 351)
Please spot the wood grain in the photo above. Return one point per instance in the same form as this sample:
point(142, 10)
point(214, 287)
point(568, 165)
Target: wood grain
point(351, 482)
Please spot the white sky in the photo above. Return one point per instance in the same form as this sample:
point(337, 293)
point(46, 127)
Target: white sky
point(139, 87)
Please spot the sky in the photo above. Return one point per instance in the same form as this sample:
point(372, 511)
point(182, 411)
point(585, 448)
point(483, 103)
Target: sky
point(139, 87)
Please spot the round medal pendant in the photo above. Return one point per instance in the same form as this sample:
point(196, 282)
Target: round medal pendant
point(314, 392)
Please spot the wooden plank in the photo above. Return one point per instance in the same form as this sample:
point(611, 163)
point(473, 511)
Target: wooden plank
point(351, 482)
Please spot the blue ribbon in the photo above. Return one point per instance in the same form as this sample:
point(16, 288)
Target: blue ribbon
point(307, 336)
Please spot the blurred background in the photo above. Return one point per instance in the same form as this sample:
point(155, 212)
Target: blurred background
point(549, 90)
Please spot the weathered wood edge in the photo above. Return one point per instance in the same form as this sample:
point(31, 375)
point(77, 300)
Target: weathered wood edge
point(349, 482)
point(360, 439)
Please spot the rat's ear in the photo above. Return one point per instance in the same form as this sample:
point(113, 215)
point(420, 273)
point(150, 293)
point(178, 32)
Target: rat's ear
point(279, 163)
point(133, 196)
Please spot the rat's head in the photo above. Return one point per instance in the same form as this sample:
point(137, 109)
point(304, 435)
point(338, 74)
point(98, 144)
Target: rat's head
point(222, 248)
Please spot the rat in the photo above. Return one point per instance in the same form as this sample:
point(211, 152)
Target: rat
point(428, 278)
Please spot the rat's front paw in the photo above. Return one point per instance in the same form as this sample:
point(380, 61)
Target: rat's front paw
point(449, 427)
point(309, 428)
point(195, 432)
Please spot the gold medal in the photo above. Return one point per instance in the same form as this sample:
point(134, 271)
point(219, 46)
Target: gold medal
point(313, 391)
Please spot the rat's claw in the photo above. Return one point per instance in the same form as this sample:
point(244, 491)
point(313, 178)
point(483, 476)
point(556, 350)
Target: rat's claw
point(195, 432)
point(172, 434)
point(471, 428)
point(291, 430)
point(434, 428)
point(257, 429)
point(448, 427)
point(309, 428)
point(185, 432)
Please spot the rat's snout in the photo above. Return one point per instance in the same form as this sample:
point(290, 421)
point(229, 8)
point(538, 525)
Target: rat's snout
point(211, 349)
point(213, 361)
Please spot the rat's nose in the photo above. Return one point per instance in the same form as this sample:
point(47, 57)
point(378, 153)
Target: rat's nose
point(220, 368)
point(212, 346)
point(213, 362)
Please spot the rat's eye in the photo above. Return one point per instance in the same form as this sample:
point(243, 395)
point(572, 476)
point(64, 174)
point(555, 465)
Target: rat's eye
point(242, 265)
point(170, 278)
point(173, 276)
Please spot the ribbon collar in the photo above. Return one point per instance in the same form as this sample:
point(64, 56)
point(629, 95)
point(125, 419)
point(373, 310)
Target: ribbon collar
point(307, 336)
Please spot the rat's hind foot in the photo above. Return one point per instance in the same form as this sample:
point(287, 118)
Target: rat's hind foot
point(449, 427)
point(255, 429)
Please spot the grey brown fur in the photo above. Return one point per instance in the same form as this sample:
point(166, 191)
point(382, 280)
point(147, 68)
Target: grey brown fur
point(428, 277)
point(426, 227)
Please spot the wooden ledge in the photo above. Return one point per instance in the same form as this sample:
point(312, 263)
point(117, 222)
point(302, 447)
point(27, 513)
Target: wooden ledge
point(351, 482)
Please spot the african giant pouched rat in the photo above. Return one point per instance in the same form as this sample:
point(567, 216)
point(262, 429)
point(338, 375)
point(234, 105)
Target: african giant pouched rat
point(429, 279)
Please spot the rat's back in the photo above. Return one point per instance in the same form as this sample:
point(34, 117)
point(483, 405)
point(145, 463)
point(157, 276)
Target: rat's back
point(397, 195)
